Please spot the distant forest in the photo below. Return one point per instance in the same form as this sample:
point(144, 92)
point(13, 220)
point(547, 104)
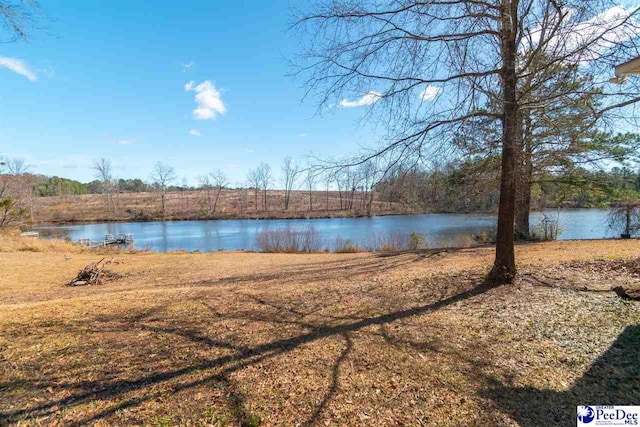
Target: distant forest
point(56, 186)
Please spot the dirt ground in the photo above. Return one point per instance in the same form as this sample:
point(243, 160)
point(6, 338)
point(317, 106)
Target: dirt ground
point(327, 339)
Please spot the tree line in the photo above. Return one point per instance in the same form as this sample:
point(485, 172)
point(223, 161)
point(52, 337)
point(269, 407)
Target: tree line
point(473, 186)
point(353, 187)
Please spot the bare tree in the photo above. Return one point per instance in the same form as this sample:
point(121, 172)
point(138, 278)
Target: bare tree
point(103, 172)
point(254, 180)
point(162, 176)
point(310, 180)
point(368, 177)
point(290, 172)
point(328, 179)
point(219, 181)
point(264, 179)
point(428, 68)
point(205, 184)
point(17, 166)
point(15, 198)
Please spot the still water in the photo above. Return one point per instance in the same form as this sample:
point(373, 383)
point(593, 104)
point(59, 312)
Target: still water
point(439, 229)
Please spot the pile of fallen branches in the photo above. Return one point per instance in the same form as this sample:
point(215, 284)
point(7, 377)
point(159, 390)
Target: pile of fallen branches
point(94, 274)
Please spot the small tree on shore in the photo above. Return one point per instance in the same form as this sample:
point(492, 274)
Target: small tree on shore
point(162, 176)
point(206, 186)
point(254, 180)
point(219, 181)
point(262, 178)
point(290, 172)
point(310, 180)
point(103, 171)
point(625, 213)
point(15, 195)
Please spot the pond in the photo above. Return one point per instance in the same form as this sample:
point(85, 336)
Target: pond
point(439, 229)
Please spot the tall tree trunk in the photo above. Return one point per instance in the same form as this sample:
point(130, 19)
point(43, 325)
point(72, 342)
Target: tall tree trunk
point(524, 177)
point(504, 267)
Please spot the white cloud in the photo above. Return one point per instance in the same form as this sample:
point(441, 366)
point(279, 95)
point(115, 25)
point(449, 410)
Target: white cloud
point(194, 132)
point(126, 141)
point(17, 66)
point(302, 134)
point(368, 99)
point(208, 100)
point(186, 67)
point(249, 150)
point(430, 93)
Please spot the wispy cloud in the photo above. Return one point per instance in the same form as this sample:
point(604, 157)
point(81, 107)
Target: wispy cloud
point(126, 141)
point(194, 132)
point(208, 100)
point(430, 93)
point(302, 134)
point(18, 66)
point(249, 150)
point(187, 66)
point(367, 99)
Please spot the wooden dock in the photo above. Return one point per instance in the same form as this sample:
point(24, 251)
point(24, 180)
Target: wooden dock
point(109, 240)
point(30, 234)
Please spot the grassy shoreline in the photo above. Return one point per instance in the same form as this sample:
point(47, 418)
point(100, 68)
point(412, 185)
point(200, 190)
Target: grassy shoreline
point(239, 338)
point(249, 217)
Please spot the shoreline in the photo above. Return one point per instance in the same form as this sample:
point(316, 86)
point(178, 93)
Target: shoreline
point(304, 215)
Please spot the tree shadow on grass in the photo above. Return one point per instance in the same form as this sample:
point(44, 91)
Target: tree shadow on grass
point(342, 269)
point(128, 394)
point(613, 379)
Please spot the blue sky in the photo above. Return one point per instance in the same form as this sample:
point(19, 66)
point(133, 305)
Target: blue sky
point(109, 79)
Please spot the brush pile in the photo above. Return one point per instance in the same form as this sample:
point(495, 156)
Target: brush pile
point(94, 274)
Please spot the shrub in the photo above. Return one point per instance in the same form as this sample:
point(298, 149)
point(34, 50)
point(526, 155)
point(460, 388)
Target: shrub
point(546, 229)
point(487, 236)
point(290, 240)
point(394, 242)
point(416, 241)
point(346, 246)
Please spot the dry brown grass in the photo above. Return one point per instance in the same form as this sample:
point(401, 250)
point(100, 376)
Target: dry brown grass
point(321, 339)
point(195, 205)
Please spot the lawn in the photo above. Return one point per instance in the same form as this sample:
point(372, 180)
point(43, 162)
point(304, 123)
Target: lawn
point(322, 339)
